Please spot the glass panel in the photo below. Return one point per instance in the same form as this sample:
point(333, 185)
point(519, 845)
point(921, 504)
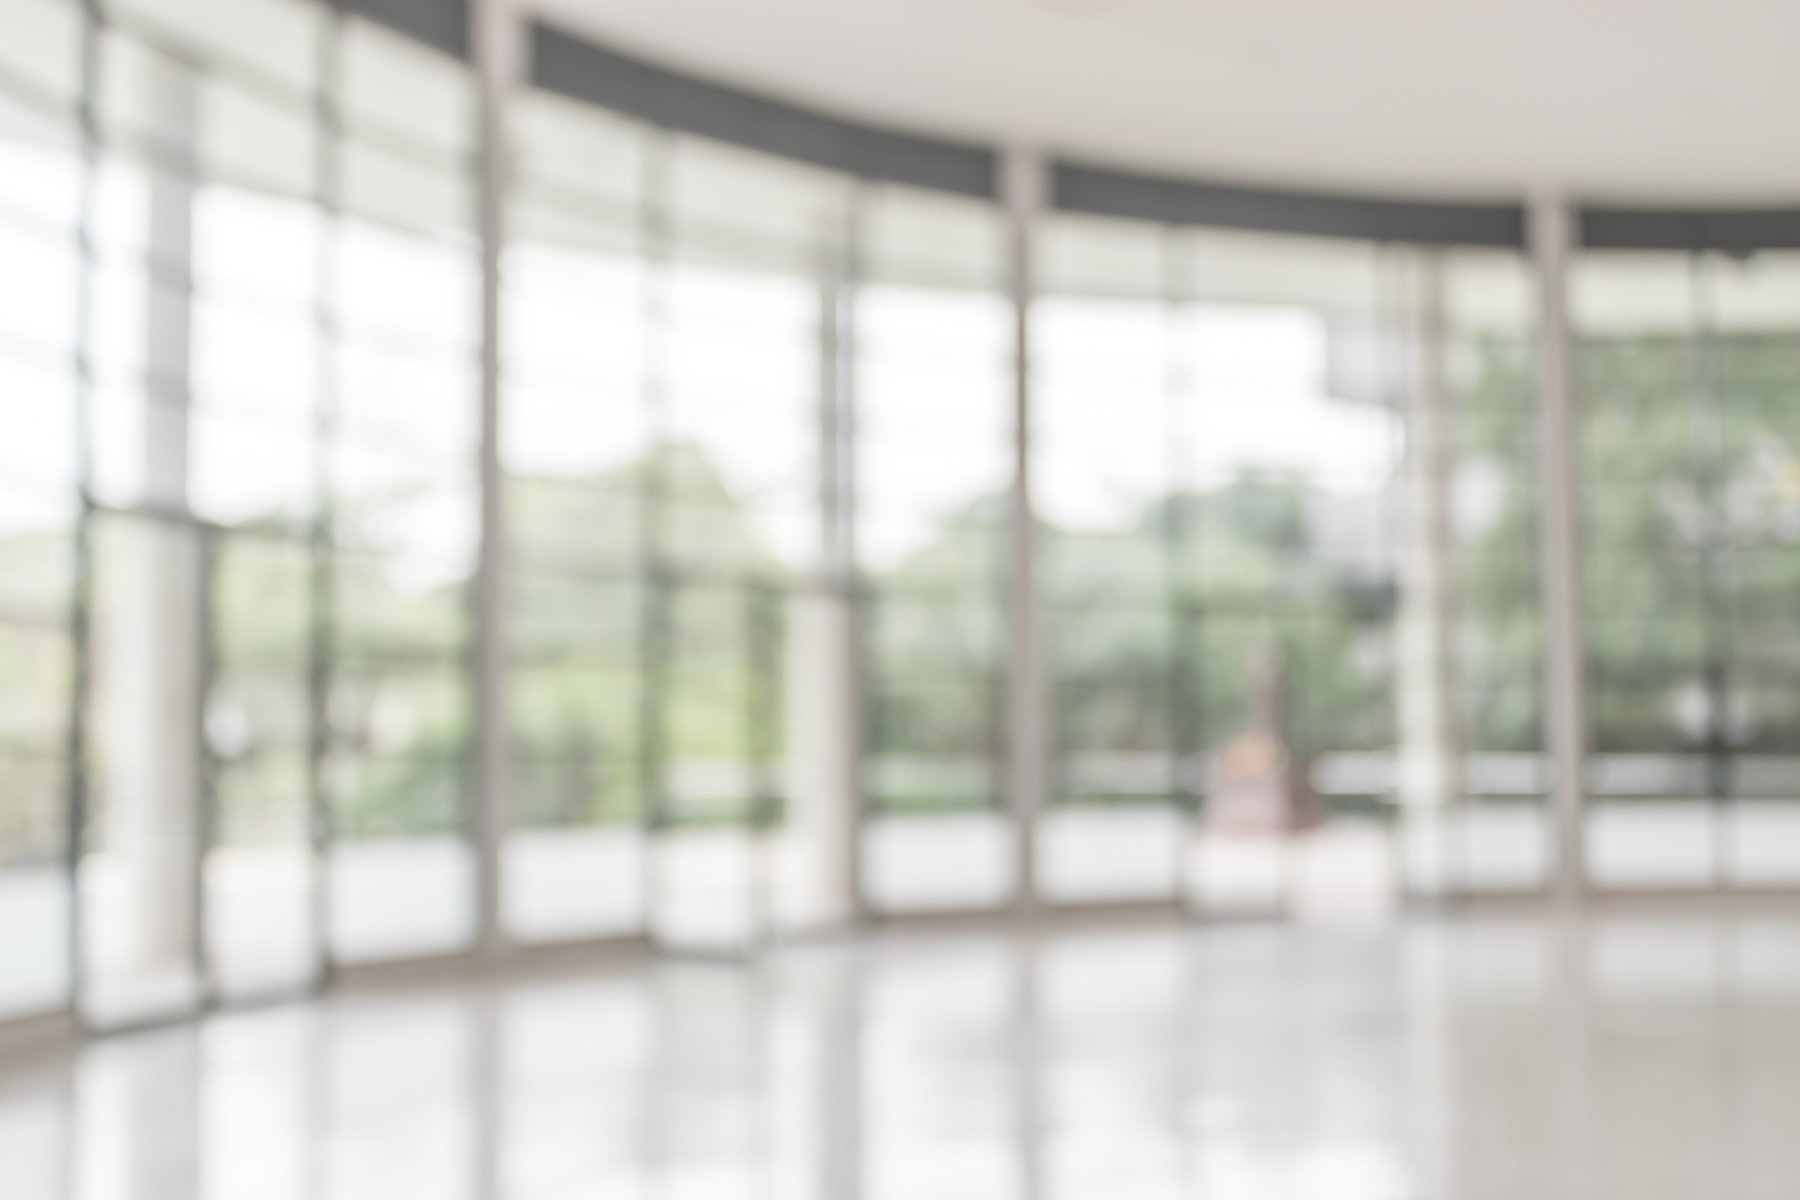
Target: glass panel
point(1103, 422)
point(570, 882)
point(576, 452)
point(1755, 357)
point(404, 503)
point(938, 862)
point(1683, 364)
point(1091, 855)
point(1764, 839)
point(1635, 315)
point(255, 359)
point(1216, 476)
point(1651, 842)
point(1287, 560)
point(278, 37)
point(935, 705)
point(575, 859)
point(38, 454)
point(934, 468)
point(742, 296)
point(42, 51)
point(37, 308)
point(247, 138)
point(716, 789)
point(401, 896)
point(259, 872)
point(397, 90)
point(1500, 839)
point(34, 888)
point(566, 146)
point(742, 460)
point(930, 239)
point(727, 203)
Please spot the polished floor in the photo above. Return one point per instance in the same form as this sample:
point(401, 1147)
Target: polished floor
point(1633, 1056)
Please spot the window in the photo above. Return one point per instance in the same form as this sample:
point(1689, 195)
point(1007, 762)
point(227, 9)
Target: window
point(1501, 836)
point(1218, 437)
point(577, 416)
point(933, 476)
point(1108, 418)
point(40, 180)
point(402, 453)
point(1685, 362)
point(202, 442)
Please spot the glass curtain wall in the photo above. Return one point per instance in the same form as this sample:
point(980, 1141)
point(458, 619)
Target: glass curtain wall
point(759, 460)
point(576, 453)
point(1108, 410)
point(745, 244)
point(933, 433)
point(402, 451)
point(673, 453)
point(1749, 338)
point(1499, 837)
point(1289, 560)
point(1688, 451)
point(196, 868)
point(239, 498)
point(1219, 418)
point(724, 373)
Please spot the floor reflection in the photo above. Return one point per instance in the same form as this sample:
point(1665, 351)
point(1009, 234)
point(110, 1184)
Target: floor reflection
point(1635, 1056)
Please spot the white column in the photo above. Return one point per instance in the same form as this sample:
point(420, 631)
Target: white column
point(1565, 708)
point(818, 878)
point(1024, 190)
point(815, 869)
point(498, 46)
point(1429, 751)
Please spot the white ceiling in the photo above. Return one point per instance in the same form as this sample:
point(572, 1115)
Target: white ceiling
point(1625, 99)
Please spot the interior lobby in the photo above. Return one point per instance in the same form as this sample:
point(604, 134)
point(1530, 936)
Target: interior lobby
point(794, 600)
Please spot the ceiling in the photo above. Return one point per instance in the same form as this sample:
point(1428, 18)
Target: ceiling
point(1632, 100)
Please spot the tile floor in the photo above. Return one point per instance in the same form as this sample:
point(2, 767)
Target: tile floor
point(1636, 1057)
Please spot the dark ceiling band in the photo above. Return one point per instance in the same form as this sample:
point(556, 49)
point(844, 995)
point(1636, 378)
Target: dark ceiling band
point(573, 66)
point(443, 24)
point(1102, 192)
point(1733, 231)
